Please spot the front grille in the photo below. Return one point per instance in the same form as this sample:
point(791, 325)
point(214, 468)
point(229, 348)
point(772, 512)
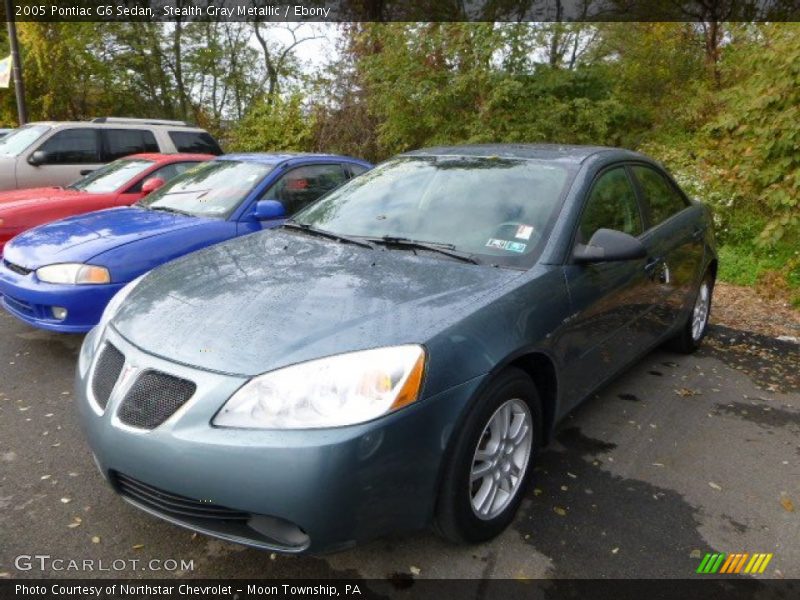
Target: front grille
point(16, 268)
point(153, 398)
point(173, 504)
point(106, 373)
point(19, 306)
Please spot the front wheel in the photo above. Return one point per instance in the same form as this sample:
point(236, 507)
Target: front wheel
point(491, 461)
point(696, 326)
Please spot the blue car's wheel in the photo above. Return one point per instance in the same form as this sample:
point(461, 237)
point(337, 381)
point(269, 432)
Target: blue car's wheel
point(491, 461)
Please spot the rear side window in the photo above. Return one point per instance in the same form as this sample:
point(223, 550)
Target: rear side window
point(661, 197)
point(195, 142)
point(612, 204)
point(122, 142)
point(72, 147)
point(301, 186)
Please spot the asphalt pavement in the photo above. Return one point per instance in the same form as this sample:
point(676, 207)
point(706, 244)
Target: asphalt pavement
point(681, 456)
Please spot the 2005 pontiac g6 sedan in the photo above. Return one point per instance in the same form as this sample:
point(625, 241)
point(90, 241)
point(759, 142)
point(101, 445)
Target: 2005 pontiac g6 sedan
point(394, 356)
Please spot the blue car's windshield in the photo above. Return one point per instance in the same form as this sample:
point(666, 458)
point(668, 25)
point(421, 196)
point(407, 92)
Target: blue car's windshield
point(111, 177)
point(495, 209)
point(211, 189)
point(16, 142)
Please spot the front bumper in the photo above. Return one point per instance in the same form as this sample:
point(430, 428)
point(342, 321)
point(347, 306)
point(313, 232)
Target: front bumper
point(31, 301)
point(337, 486)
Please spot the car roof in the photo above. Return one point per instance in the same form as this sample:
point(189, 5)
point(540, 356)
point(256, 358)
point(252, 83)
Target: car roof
point(561, 152)
point(168, 158)
point(273, 158)
point(120, 124)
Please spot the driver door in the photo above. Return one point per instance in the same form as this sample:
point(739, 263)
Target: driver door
point(610, 300)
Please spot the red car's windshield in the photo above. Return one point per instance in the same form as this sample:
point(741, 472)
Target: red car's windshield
point(111, 177)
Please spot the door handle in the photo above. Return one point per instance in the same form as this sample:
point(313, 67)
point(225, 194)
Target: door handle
point(86, 171)
point(651, 264)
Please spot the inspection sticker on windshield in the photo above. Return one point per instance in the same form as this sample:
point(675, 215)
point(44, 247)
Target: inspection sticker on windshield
point(506, 245)
point(524, 232)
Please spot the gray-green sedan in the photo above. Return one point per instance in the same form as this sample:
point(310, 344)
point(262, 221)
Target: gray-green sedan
point(394, 356)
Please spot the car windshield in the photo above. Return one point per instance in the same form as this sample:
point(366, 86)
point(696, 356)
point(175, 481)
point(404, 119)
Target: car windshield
point(16, 142)
point(497, 210)
point(212, 189)
point(111, 177)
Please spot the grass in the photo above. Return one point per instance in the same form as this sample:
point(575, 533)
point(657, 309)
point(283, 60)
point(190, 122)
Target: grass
point(775, 271)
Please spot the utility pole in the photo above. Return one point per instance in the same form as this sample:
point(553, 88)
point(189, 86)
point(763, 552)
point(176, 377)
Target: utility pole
point(19, 87)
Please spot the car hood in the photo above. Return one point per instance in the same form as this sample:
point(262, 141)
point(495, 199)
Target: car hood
point(272, 299)
point(79, 238)
point(15, 199)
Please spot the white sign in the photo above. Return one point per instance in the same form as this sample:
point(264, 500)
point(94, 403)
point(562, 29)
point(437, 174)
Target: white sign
point(5, 71)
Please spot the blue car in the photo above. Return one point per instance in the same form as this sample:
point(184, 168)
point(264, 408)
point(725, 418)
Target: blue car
point(61, 276)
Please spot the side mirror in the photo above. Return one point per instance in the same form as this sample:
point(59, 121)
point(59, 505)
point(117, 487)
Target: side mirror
point(37, 158)
point(152, 184)
point(609, 245)
point(269, 209)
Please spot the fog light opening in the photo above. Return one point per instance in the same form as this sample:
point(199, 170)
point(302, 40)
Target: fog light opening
point(285, 533)
point(59, 313)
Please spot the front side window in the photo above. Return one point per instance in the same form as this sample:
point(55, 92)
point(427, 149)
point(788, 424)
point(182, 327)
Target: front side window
point(72, 147)
point(611, 204)
point(19, 140)
point(496, 209)
point(662, 199)
point(301, 186)
point(166, 173)
point(210, 189)
point(123, 142)
point(111, 177)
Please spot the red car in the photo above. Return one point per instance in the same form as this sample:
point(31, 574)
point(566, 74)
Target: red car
point(119, 183)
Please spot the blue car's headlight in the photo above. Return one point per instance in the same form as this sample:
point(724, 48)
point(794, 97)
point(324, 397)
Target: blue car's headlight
point(329, 392)
point(73, 273)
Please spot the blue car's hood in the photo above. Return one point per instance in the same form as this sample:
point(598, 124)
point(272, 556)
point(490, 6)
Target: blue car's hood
point(79, 238)
point(267, 300)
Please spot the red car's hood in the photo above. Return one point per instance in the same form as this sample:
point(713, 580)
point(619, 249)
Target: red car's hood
point(13, 199)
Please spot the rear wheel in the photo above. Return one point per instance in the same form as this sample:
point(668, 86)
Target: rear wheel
point(696, 326)
point(491, 462)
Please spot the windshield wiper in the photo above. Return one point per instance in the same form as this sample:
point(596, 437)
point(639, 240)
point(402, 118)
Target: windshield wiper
point(441, 248)
point(169, 209)
point(305, 227)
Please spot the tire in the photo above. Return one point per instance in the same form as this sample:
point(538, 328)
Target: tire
point(457, 519)
point(693, 331)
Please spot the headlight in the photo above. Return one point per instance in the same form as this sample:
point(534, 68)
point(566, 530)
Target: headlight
point(72, 273)
point(329, 392)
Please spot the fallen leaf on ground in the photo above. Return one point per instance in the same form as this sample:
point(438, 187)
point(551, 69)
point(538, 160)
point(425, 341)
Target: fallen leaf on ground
point(560, 511)
point(715, 486)
point(137, 546)
point(614, 550)
point(66, 500)
point(685, 392)
point(95, 540)
point(414, 570)
point(787, 503)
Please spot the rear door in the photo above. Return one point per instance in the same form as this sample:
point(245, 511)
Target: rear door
point(674, 240)
point(118, 143)
point(610, 301)
point(69, 154)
